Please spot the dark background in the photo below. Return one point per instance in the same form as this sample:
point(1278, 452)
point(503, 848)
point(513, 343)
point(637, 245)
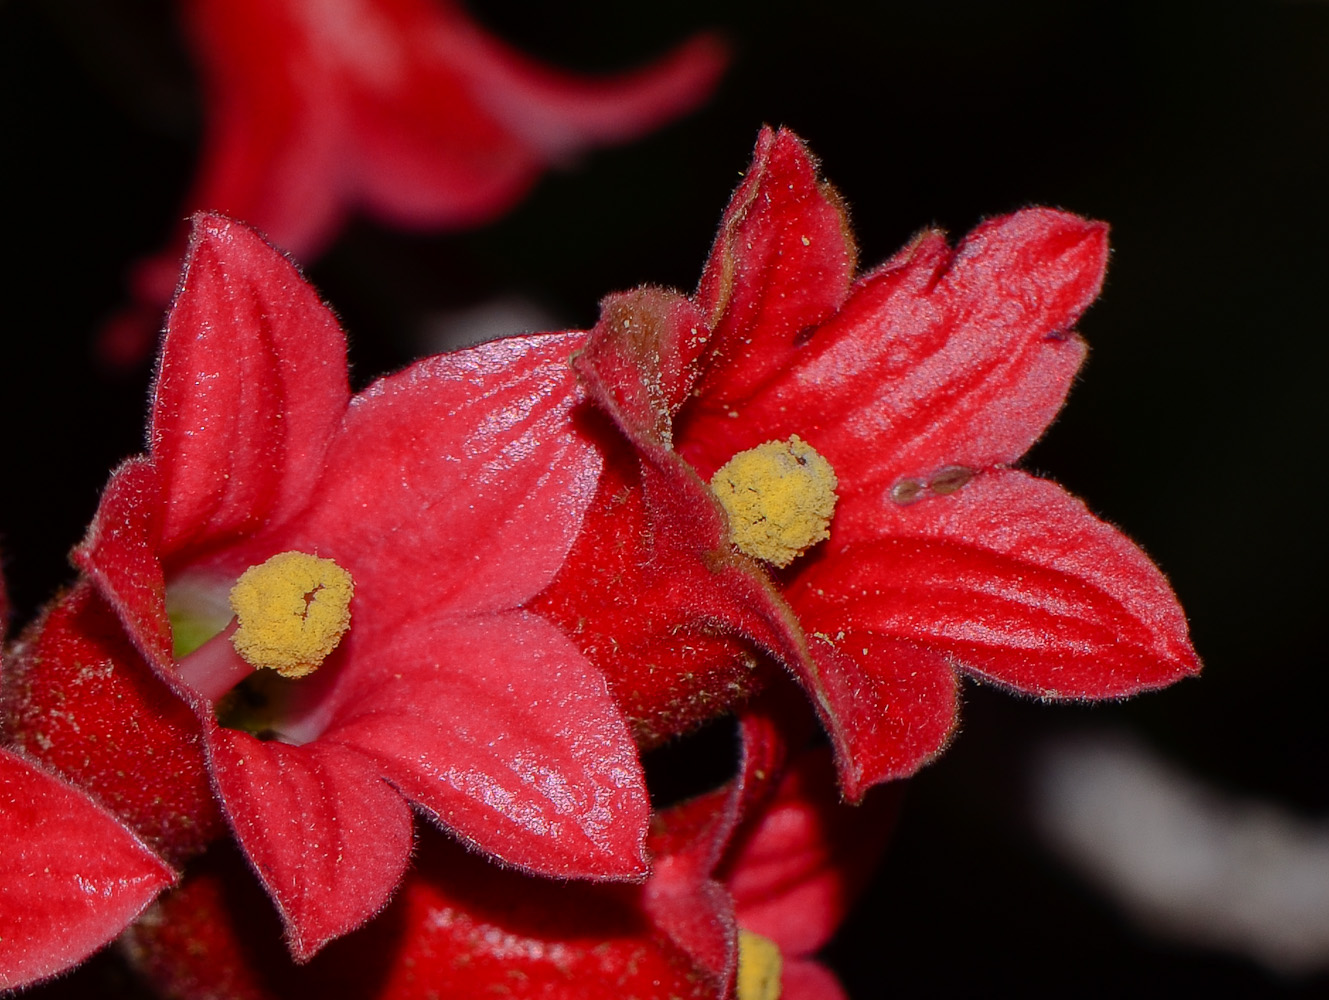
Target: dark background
point(1199, 130)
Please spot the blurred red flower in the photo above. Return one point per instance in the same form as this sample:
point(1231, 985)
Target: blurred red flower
point(404, 109)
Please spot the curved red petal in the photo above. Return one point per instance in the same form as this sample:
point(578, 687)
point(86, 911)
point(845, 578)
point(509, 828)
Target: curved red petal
point(780, 266)
point(795, 874)
point(454, 125)
point(637, 610)
point(325, 834)
point(633, 364)
point(79, 698)
point(459, 483)
point(939, 358)
point(459, 927)
point(804, 979)
point(251, 385)
point(71, 876)
point(497, 727)
point(119, 554)
point(1017, 582)
point(889, 707)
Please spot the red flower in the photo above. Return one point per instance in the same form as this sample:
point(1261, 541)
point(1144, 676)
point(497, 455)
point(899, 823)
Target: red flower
point(405, 109)
point(920, 383)
point(71, 874)
point(463, 928)
point(445, 496)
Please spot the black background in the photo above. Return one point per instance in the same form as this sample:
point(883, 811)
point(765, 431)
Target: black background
point(1199, 130)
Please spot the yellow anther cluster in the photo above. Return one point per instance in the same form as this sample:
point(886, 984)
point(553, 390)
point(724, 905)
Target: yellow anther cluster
point(759, 967)
point(291, 612)
point(779, 497)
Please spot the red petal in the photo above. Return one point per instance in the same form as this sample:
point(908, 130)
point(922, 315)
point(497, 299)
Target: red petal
point(808, 980)
point(795, 875)
point(468, 121)
point(251, 385)
point(119, 553)
point(888, 706)
point(781, 266)
point(1017, 582)
point(460, 927)
point(634, 361)
point(459, 483)
point(634, 607)
point(642, 359)
point(939, 358)
point(71, 876)
point(81, 699)
point(326, 835)
point(503, 732)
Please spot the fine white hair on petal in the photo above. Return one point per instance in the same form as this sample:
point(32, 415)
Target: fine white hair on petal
point(1187, 860)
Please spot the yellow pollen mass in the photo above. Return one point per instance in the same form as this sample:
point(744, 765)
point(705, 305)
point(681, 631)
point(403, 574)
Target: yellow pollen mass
point(291, 612)
point(779, 497)
point(759, 967)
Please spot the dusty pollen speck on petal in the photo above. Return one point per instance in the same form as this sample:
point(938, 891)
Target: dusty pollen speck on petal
point(779, 498)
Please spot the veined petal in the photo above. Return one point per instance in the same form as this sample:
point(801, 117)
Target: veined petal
point(780, 266)
point(939, 358)
point(497, 727)
point(459, 483)
point(1015, 581)
point(251, 385)
point(119, 553)
point(71, 875)
point(327, 837)
point(889, 707)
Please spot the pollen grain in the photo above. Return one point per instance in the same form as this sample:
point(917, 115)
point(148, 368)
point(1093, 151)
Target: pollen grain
point(779, 497)
point(291, 612)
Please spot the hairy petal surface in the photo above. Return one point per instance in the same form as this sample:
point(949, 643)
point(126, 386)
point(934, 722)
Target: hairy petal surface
point(1015, 581)
point(252, 383)
point(459, 927)
point(71, 876)
point(780, 266)
point(327, 836)
point(80, 698)
point(939, 358)
point(637, 608)
point(501, 731)
point(119, 554)
point(441, 473)
point(889, 706)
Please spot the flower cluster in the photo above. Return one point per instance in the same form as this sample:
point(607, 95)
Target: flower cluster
point(474, 590)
